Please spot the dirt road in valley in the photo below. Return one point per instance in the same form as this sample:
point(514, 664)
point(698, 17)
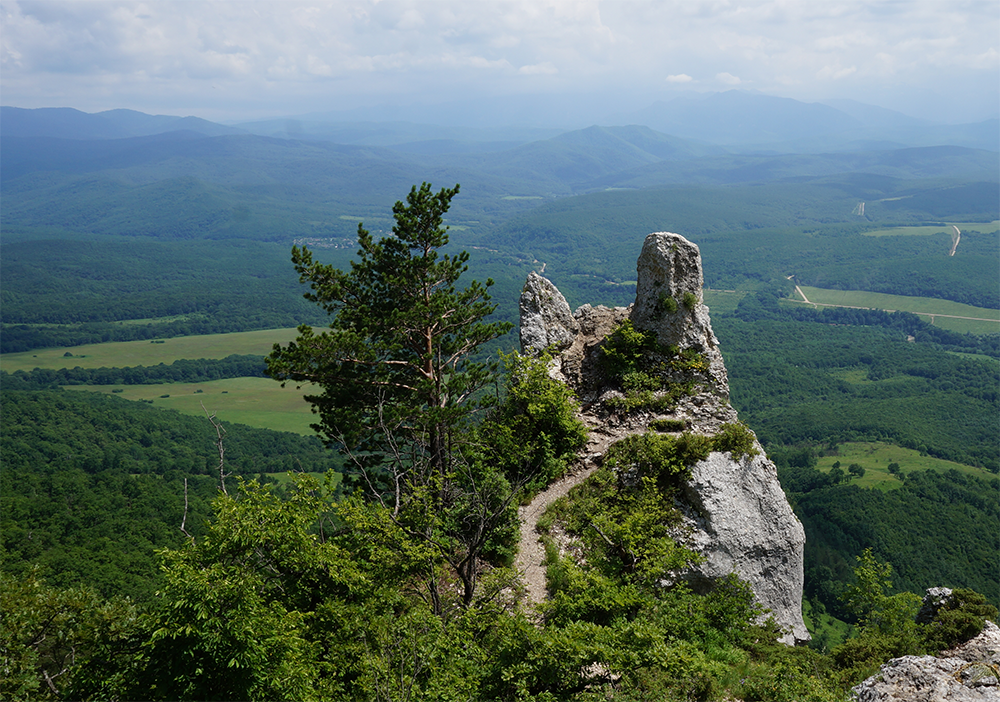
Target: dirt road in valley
point(957, 237)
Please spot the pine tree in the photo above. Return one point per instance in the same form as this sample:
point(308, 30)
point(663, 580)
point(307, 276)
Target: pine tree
point(397, 376)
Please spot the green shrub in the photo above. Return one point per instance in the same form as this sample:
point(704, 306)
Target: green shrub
point(625, 348)
point(690, 301)
point(533, 431)
point(667, 304)
point(737, 439)
point(958, 620)
point(666, 459)
point(668, 425)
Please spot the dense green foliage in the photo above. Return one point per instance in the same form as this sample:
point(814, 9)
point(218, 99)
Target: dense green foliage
point(935, 531)
point(533, 432)
point(311, 598)
point(91, 484)
point(182, 371)
point(796, 382)
point(400, 376)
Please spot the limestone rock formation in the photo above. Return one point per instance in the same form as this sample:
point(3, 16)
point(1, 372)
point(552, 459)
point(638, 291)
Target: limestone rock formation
point(670, 277)
point(737, 517)
point(968, 673)
point(546, 320)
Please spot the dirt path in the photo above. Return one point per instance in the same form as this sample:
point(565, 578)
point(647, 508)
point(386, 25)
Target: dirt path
point(954, 240)
point(530, 552)
point(530, 560)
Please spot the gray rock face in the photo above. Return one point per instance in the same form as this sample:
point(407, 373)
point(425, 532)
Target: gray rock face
point(742, 523)
point(669, 300)
point(934, 600)
point(968, 673)
point(546, 319)
point(737, 517)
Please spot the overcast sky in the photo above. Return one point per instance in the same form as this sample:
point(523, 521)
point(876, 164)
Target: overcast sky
point(232, 60)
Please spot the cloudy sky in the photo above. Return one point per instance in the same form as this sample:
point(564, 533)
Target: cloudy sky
point(233, 60)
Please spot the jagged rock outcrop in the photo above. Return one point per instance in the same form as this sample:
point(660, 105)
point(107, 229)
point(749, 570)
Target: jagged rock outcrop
point(669, 269)
point(546, 319)
point(968, 673)
point(737, 517)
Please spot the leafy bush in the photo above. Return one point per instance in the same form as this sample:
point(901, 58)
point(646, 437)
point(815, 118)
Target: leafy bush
point(690, 301)
point(737, 439)
point(533, 431)
point(625, 349)
point(666, 459)
point(667, 304)
point(668, 425)
point(961, 618)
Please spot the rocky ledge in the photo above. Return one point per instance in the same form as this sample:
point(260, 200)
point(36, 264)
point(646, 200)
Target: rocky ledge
point(968, 673)
point(737, 517)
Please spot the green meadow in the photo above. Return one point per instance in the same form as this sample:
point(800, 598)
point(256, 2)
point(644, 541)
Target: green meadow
point(721, 301)
point(256, 402)
point(981, 227)
point(123, 354)
point(943, 313)
point(875, 458)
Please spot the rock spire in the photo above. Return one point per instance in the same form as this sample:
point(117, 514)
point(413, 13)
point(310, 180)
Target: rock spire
point(736, 514)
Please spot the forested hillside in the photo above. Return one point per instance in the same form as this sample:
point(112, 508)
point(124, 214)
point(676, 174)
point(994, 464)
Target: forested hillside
point(92, 485)
point(147, 235)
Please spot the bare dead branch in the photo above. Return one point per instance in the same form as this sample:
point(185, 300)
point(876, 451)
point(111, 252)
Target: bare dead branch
point(184, 518)
point(219, 431)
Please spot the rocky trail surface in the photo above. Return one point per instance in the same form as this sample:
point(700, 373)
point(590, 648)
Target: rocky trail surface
point(531, 552)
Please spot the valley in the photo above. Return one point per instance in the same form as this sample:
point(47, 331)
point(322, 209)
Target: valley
point(145, 278)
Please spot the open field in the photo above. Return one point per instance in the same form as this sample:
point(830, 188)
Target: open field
point(256, 402)
point(123, 354)
point(720, 301)
point(982, 227)
point(943, 313)
point(875, 458)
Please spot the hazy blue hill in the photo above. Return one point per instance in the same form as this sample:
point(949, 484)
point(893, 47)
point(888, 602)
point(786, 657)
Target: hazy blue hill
point(739, 117)
point(392, 134)
point(22, 155)
point(874, 116)
point(907, 163)
point(233, 186)
point(565, 163)
point(454, 146)
point(67, 123)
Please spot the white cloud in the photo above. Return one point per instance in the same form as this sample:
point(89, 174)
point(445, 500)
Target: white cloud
point(544, 68)
point(283, 55)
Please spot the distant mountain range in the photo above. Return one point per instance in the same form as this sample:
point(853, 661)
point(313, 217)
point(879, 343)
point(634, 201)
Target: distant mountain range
point(739, 121)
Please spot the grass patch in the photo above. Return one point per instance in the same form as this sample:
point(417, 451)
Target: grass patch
point(827, 631)
point(122, 354)
point(875, 458)
point(256, 402)
point(147, 320)
point(722, 301)
point(981, 227)
point(943, 313)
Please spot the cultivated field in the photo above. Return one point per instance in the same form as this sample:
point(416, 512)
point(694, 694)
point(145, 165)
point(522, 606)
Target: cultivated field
point(145, 353)
point(719, 301)
point(875, 459)
point(257, 402)
point(981, 227)
point(943, 313)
